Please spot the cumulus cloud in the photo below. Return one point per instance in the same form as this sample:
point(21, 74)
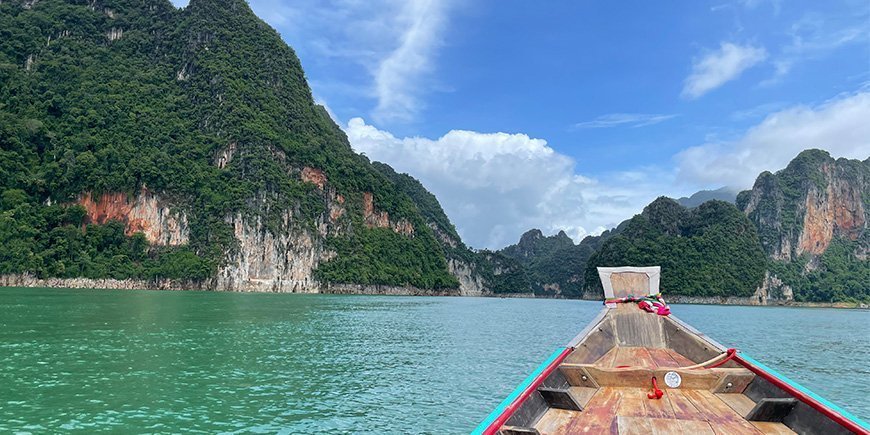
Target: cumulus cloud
point(495, 186)
point(839, 126)
point(721, 66)
point(633, 120)
point(391, 43)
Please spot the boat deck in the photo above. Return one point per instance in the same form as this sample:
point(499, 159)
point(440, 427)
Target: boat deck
point(642, 357)
point(600, 381)
point(609, 375)
point(626, 410)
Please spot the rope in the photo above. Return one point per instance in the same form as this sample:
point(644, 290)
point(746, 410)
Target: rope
point(716, 361)
point(655, 393)
point(651, 304)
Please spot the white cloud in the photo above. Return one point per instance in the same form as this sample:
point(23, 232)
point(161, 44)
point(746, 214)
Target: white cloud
point(633, 120)
point(720, 66)
point(495, 186)
point(397, 76)
point(839, 126)
point(384, 49)
point(813, 37)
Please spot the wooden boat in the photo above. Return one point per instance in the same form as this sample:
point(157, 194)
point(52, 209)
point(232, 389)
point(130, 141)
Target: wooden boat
point(632, 371)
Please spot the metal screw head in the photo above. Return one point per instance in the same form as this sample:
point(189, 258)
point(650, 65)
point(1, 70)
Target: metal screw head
point(729, 385)
point(584, 378)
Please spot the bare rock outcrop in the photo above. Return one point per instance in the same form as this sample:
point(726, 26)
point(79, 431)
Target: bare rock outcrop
point(269, 262)
point(146, 213)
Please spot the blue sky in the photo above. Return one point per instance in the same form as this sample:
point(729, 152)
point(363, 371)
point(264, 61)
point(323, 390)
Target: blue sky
point(574, 115)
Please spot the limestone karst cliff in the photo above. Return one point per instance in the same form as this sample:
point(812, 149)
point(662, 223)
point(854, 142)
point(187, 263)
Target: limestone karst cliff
point(800, 234)
point(149, 143)
point(814, 200)
point(812, 219)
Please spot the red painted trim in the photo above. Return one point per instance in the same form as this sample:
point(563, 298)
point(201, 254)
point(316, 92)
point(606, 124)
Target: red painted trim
point(498, 422)
point(800, 395)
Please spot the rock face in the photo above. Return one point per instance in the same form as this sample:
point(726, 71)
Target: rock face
point(146, 213)
point(471, 283)
point(772, 290)
point(264, 261)
point(801, 213)
point(374, 218)
point(802, 208)
point(837, 210)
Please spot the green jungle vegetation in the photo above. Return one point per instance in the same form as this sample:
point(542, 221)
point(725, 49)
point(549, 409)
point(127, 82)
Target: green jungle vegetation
point(84, 110)
point(839, 276)
point(554, 265)
point(711, 250)
point(80, 111)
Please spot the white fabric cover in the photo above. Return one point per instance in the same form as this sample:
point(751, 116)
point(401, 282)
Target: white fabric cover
point(653, 272)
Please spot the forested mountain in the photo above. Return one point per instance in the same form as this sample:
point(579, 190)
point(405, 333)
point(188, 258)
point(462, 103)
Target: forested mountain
point(711, 250)
point(157, 146)
point(812, 219)
point(554, 265)
point(139, 141)
point(798, 234)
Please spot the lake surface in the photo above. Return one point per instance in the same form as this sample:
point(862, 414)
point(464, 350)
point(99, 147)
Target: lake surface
point(140, 361)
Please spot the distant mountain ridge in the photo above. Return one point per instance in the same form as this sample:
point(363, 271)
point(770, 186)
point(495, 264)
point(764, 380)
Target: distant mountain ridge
point(800, 234)
point(726, 194)
point(146, 146)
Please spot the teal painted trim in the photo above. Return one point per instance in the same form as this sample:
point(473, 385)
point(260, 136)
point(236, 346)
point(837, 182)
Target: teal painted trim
point(516, 393)
point(806, 391)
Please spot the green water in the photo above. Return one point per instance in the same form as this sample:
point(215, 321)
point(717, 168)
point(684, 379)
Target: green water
point(138, 361)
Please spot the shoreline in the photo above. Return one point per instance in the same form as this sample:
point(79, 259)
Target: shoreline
point(24, 281)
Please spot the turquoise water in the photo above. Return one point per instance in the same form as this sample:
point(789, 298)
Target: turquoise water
point(139, 361)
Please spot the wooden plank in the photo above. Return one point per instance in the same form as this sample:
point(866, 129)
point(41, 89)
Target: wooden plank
point(638, 328)
point(631, 402)
point(771, 409)
point(694, 427)
point(661, 408)
point(681, 360)
point(768, 427)
point(582, 395)
point(599, 415)
point(559, 398)
point(555, 421)
point(683, 407)
point(642, 377)
point(635, 403)
point(575, 374)
point(633, 357)
point(738, 402)
point(662, 358)
point(629, 284)
point(598, 342)
point(518, 430)
point(607, 360)
point(738, 379)
point(721, 417)
point(688, 343)
point(634, 426)
point(590, 327)
point(656, 426)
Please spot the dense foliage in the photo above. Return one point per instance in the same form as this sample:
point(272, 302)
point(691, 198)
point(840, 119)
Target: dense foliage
point(555, 266)
point(114, 95)
point(711, 250)
point(838, 276)
point(52, 241)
